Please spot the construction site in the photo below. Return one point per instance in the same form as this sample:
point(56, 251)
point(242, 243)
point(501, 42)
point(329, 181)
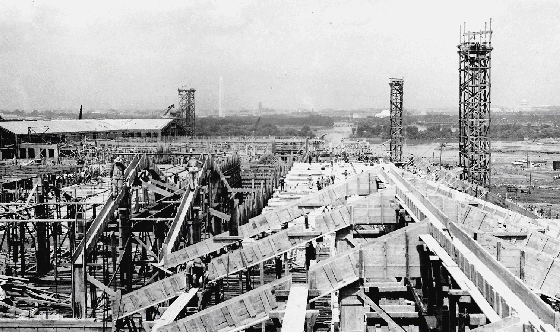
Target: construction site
point(163, 230)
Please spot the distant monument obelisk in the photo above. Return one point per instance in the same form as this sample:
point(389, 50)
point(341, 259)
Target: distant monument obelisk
point(221, 98)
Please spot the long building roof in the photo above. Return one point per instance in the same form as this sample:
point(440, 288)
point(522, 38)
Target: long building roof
point(83, 126)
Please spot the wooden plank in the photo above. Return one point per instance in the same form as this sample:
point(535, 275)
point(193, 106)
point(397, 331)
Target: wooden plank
point(462, 281)
point(242, 312)
point(152, 294)
point(219, 214)
point(266, 221)
point(249, 306)
point(186, 203)
point(516, 293)
point(294, 317)
point(174, 309)
point(99, 284)
point(243, 190)
point(156, 189)
point(394, 326)
point(396, 314)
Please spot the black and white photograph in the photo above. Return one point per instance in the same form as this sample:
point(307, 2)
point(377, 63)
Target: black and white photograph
point(280, 166)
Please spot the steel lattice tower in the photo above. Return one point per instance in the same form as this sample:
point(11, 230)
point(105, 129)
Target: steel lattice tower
point(186, 110)
point(396, 119)
point(474, 106)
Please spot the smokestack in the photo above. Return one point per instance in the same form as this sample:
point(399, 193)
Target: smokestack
point(81, 115)
point(221, 98)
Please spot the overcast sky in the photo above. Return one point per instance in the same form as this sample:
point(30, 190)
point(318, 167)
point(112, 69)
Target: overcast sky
point(285, 54)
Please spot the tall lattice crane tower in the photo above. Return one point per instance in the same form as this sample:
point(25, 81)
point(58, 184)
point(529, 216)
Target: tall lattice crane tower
point(186, 110)
point(474, 105)
point(396, 119)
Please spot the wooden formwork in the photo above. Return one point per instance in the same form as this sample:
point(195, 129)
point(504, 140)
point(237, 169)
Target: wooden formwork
point(482, 219)
point(235, 314)
point(270, 220)
point(152, 294)
point(402, 260)
point(376, 209)
point(535, 261)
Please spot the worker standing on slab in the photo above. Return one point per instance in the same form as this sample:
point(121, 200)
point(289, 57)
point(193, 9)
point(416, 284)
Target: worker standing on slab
point(278, 266)
point(117, 175)
point(197, 272)
point(281, 184)
point(189, 272)
point(193, 167)
point(309, 255)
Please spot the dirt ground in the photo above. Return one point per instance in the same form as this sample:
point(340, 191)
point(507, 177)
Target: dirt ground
point(536, 186)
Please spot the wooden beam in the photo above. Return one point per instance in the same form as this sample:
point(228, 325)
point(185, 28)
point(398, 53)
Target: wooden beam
point(186, 203)
point(244, 190)
point(100, 285)
point(460, 278)
point(294, 317)
point(386, 287)
point(158, 190)
point(161, 268)
point(474, 260)
point(286, 292)
point(166, 185)
point(310, 315)
point(392, 325)
point(145, 246)
point(227, 238)
point(305, 234)
point(40, 220)
point(219, 214)
point(174, 309)
point(403, 314)
point(151, 295)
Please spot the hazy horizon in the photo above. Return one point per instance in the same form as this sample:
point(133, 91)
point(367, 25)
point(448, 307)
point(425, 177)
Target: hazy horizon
point(285, 54)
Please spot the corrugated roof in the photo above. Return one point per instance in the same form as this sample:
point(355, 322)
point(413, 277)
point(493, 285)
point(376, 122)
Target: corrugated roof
point(84, 125)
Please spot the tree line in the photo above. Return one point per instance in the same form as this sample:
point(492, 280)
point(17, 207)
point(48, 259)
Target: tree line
point(499, 132)
point(261, 126)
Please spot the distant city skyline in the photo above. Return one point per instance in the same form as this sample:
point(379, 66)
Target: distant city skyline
point(285, 54)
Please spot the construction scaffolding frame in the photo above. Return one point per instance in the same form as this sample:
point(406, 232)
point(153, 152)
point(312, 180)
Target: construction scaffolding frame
point(396, 119)
point(474, 105)
point(186, 110)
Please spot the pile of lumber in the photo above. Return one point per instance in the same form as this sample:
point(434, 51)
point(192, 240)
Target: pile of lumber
point(23, 299)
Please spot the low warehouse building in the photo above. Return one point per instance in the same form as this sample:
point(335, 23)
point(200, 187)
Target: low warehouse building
point(14, 133)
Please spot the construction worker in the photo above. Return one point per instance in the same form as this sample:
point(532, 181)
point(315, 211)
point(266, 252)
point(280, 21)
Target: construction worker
point(281, 184)
point(278, 266)
point(310, 255)
point(117, 175)
point(198, 272)
point(189, 272)
point(193, 167)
